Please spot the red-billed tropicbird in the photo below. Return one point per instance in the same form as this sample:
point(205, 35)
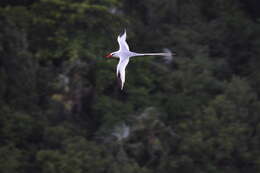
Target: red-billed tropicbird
point(124, 54)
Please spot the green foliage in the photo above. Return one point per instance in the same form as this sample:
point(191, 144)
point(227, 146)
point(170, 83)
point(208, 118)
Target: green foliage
point(61, 109)
point(77, 155)
point(10, 160)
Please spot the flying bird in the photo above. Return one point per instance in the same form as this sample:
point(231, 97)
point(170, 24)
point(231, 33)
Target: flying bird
point(124, 54)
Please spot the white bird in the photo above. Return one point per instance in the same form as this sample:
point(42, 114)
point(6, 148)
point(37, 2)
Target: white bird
point(124, 54)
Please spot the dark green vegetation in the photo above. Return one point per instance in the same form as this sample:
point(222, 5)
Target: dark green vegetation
point(61, 110)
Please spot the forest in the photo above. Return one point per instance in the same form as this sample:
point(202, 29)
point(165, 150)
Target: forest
point(62, 111)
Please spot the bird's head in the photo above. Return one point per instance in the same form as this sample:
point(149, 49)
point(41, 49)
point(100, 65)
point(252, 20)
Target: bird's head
point(112, 55)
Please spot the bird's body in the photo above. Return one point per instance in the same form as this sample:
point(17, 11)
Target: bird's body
point(124, 55)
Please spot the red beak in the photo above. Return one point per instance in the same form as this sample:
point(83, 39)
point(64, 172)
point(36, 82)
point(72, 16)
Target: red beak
point(109, 55)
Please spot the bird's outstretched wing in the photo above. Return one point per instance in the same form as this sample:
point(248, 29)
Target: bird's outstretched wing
point(122, 42)
point(120, 71)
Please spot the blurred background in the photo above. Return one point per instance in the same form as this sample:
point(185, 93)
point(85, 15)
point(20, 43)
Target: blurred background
point(61, 110)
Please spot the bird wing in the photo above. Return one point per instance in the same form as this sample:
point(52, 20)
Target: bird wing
point(120, 71)
point(122, 42)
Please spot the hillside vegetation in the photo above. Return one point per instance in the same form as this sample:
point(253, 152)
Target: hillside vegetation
point(61, 110)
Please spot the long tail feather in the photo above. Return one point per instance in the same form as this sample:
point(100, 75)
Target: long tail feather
point(154, 54)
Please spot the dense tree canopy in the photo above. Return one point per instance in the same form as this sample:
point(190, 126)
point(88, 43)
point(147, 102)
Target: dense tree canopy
point(61, 110)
